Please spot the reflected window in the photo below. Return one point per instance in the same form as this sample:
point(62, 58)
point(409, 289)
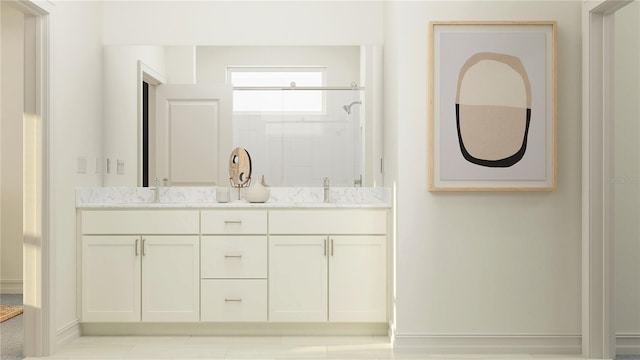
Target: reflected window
point(280, 101)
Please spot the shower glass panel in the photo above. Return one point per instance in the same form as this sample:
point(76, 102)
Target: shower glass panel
point(293, 147)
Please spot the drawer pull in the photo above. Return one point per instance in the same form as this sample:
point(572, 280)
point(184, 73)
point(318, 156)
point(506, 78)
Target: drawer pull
point(233, 256)
point(136, 247)
point(232, 300)
point(233, 221)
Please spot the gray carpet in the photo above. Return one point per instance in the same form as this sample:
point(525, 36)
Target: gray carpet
point(11, 331)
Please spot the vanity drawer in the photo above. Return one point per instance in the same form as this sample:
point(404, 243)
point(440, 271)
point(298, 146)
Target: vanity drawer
point(234, 222)
point(335, 222)
point(228, 257)
point(233, 300)
point(148, 222)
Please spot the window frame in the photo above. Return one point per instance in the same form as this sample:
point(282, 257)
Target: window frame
point(306, 68)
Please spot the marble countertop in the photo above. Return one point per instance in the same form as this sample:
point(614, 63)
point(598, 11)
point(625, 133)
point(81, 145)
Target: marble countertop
point(205, 197)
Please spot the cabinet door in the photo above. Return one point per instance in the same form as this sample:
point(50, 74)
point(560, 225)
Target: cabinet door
point(110, 279)
point(170, 279)
point(357, 279)
point(298, 278)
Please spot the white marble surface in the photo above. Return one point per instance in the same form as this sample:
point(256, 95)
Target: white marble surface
point(199, 197)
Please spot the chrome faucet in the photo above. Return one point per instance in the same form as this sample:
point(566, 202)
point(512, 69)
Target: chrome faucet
point(156, 190)
point(326, 189)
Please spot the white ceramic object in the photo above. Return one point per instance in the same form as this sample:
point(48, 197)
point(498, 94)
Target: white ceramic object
point(222, 195)
point(257, 193)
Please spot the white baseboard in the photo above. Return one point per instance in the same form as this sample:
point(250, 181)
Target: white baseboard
point(10, 286)
point(232, 329)
point(488, 343)
point(67, 333)
point(628, 344)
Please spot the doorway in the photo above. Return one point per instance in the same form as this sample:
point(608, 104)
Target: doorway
point(609, 182)
point(626, 200)
point(33, 123)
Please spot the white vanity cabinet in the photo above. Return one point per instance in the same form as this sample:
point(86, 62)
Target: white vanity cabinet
point(234, 265)
point(140, 266)
point(327, 265)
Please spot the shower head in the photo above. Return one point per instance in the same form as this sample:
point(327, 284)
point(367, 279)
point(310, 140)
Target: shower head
point(347, 108)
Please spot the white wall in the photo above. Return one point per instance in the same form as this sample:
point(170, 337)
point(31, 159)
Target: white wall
point(76, 116)
point(627, 177)
point(180, 64)
point(342, 62)
point(11, 150)
point(482, 264)
point(243, 23)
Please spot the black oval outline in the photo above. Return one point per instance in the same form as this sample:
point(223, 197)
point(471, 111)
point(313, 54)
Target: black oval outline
point(501, 163)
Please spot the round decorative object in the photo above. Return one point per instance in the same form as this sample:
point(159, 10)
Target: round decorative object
point(257, 193)
point(239, 167)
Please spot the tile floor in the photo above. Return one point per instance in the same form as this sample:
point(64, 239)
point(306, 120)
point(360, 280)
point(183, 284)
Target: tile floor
point(262, 348)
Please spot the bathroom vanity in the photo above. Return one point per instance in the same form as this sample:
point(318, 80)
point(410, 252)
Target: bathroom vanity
point(188, 259)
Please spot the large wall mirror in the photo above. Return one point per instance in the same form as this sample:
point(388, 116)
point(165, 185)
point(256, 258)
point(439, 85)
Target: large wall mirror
point(302, 112)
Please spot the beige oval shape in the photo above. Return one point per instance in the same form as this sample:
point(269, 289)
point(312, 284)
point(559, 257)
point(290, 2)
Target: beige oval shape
point(490, 82)
point(239, 167)
point(492, 132)
point(494, 94)
point(494, 69)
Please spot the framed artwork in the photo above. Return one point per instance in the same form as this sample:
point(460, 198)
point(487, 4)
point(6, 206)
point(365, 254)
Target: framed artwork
point(492, 106)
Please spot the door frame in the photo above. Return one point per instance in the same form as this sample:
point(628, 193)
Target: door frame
point(153, 78)
point(39, 277)
point(598, 262)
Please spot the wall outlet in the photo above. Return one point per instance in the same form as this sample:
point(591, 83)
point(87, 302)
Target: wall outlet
point(82, 165)
point(120, 167)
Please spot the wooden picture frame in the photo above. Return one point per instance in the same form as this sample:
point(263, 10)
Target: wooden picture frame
point(492, 116)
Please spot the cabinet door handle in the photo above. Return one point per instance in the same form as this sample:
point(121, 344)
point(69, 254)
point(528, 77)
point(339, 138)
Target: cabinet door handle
point(232, 300)
point(233, 221)
point(324, 246)
point(136, 247)
point(233, 256)
point(143, 252)
point(331, 246)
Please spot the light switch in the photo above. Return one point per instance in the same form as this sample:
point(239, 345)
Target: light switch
point(82, 165)
point(120, 167)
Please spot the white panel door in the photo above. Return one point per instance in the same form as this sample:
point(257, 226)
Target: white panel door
point(298, 278)
point(170, 279)
point(110, 279)
point(194, 133)
point(357, 279)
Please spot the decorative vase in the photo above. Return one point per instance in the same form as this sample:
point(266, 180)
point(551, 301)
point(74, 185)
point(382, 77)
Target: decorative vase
point(257, 193)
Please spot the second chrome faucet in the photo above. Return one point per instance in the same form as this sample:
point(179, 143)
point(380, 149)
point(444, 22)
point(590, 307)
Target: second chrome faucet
point(325, 184)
